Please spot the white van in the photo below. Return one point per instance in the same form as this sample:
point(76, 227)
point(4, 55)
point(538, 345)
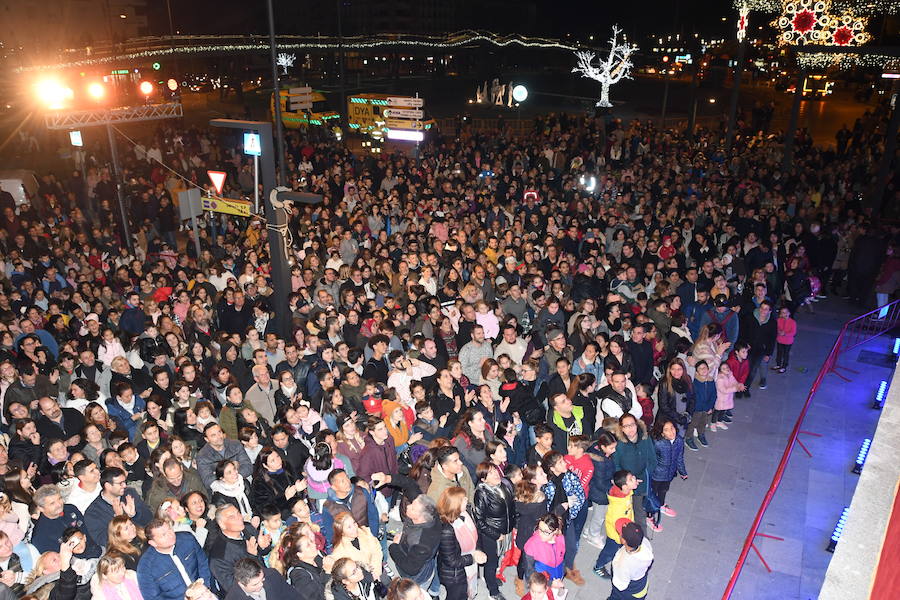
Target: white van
point(21, 183)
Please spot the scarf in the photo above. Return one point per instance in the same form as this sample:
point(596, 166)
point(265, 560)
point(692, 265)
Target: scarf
point(237, 491)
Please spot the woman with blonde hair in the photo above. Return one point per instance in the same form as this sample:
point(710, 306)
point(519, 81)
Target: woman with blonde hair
point(126, 540)
point(357, 543)
point(113, 581)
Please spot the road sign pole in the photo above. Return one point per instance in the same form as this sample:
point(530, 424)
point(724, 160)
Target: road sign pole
point(196, 233)
point(256, 183)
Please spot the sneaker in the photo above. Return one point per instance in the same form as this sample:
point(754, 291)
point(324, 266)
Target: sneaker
point(763, 385)
point(651, 524)
point(722, 425)
point(498, 596)
point(702, 439)
point(712, 427)
point(664, 509)
point(602, 573)
point(690, 443)
point(726, 419)
point(782, 369)
point(776, 368)
point(821, 296)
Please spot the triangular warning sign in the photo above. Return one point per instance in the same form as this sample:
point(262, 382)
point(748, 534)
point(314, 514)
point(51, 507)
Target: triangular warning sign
point(218, 180)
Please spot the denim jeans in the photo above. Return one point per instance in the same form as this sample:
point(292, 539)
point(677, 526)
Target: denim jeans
point(757, 364)
point(427, 578)
point(608, 553)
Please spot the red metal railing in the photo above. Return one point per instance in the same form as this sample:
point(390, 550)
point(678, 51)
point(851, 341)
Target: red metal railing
point(854, 333)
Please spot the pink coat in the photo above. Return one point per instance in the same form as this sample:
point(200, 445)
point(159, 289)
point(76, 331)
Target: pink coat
point(726, 386)
point(787, 330)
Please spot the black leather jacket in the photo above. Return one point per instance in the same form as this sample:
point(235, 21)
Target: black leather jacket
point(494, 510)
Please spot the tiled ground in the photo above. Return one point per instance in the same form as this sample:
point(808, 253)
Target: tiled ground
point(696, 552)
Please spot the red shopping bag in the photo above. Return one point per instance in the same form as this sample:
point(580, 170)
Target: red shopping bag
point(510, 558)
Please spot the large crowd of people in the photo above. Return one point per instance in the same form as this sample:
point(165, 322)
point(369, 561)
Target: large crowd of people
point(495, 354)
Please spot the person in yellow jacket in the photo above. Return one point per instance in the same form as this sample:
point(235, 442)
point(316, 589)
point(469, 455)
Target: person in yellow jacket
point(619, 513)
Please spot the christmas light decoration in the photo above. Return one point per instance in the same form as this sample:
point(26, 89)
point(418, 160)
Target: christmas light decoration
point(194, 45)
point(859, 7)
point(823, 60)
point(286, 60)
point(614, 68)
point(846, 30)
point(743, 13)
point(803, 22)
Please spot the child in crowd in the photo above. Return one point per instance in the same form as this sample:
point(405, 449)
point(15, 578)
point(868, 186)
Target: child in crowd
point(485, 317)
point(669, 462)
point(704, 402)
point(545, 550)
point(427, 425)
point(740, 367)
point(646, 402)
point(726, 387)
point(579, 463)
point(271, 525)
point(787, 331)
point(539, 588)
point(310, 420)
point(620, 509)
point(371, 399)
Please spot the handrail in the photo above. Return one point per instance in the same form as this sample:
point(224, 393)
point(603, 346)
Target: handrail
point(874, 327)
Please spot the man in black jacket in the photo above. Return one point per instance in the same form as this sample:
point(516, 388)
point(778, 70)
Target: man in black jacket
point(759, 329)
point(415, 550)
point(641, 352)
point(250, 579)
point(235, 541)
point(59, 423)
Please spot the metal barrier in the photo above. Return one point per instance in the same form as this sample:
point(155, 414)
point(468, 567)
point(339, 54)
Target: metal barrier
point(854, 333)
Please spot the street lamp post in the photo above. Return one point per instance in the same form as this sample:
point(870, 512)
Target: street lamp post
point(276, 95)
point(789, 136)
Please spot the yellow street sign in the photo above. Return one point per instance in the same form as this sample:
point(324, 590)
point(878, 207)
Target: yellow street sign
point(228, 206)
point(403, 124)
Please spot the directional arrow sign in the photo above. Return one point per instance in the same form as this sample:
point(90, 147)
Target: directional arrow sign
point(218, 180)
point(405, 101)
point(403, 124)
point(403, 113)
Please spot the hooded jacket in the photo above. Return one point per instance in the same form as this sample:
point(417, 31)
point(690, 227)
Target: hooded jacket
point(620, 507)
point(639, 456)
point(561, 432)
point(759, 334)
point(440, 482)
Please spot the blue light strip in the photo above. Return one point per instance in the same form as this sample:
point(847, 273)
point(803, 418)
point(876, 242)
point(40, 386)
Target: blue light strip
point(838, 529)
point(896, 346)
point(862, 455)
point(880, 395)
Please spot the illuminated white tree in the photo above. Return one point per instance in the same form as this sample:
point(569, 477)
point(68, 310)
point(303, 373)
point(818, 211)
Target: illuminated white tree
point(286, 60)
point(615, 67)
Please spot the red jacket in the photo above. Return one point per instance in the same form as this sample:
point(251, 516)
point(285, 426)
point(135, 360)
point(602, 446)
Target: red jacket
point(739, 368)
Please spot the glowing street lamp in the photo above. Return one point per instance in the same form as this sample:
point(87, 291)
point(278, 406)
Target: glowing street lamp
point(146, 88)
